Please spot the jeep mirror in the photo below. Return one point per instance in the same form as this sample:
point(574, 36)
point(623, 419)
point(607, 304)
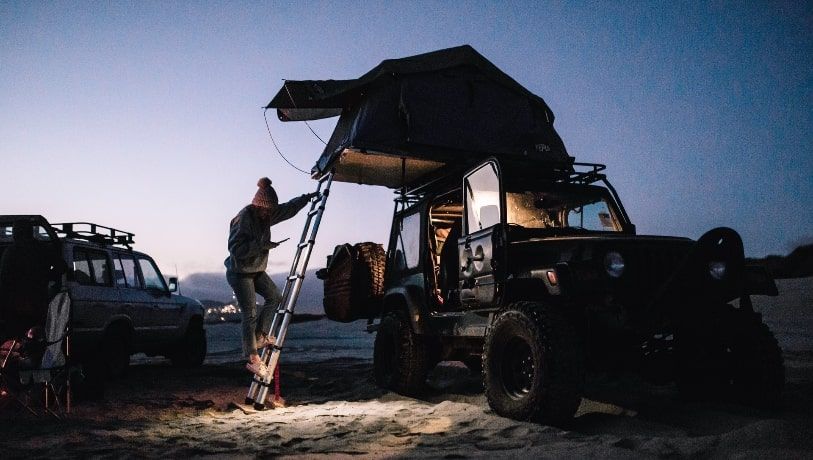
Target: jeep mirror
point(173, 284)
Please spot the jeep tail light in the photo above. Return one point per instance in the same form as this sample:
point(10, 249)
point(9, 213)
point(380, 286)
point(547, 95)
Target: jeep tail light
point(552, 279)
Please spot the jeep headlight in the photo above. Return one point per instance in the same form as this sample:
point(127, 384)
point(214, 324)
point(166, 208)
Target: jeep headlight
point(717, 269)
point(614, 264)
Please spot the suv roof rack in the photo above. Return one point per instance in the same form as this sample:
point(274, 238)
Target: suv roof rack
point(94, 233)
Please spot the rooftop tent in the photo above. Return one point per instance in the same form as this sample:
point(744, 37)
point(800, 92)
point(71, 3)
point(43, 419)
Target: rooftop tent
point(408, 117)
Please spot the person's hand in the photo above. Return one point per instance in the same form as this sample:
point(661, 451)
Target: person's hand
point(313, 195)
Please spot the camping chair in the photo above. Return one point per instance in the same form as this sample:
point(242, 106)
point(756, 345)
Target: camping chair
point(36, 370)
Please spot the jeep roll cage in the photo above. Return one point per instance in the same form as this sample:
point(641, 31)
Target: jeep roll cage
point(554, 173)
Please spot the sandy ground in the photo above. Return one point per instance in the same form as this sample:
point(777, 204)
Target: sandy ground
point(334, 409)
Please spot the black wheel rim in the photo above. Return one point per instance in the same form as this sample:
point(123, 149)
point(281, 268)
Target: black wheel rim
point(518, 369)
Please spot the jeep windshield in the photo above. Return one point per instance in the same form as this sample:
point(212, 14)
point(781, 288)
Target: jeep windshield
point(562, 210)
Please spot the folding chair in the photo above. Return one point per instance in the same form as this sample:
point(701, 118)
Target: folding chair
point(36, 370)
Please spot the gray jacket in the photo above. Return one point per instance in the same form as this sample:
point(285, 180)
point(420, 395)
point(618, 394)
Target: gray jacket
point(250, 240)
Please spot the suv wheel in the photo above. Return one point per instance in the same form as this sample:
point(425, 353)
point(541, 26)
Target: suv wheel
point(191, 351)
point(740, 361)
point(400, 357)
point(533, 366)
point(113, 358)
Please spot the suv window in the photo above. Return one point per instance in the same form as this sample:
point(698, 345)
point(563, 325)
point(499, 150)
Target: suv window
point(91, 267)
point(407, 248)
point(128, 268)
point(152, 277)
point(482, 190)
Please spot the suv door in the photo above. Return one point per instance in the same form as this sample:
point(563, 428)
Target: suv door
point(483, 210)
point(93, 296)
point(405, 271)
point(169, 311)
point(135, 301)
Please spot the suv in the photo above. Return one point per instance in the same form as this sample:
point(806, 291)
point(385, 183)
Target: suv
point(533, 274)
point(120, 302)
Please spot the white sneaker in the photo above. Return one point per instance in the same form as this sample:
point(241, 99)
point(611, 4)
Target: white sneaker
point(259, 369)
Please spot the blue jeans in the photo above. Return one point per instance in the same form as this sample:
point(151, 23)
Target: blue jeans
point(246, 286)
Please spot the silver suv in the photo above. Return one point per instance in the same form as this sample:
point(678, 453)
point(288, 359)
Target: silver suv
point(121, 304)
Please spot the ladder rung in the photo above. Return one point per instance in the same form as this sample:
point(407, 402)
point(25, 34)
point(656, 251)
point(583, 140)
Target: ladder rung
point(313, 212)
point(305, 244)
point(294, 277)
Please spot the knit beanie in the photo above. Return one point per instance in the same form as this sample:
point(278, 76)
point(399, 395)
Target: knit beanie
point(265, 197)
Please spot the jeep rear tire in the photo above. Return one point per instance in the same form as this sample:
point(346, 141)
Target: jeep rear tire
point(533, 366)
point(191, 350)
point(400, 357)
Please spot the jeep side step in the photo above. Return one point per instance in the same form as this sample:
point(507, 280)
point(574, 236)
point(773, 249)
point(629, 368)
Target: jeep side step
point(293, 284)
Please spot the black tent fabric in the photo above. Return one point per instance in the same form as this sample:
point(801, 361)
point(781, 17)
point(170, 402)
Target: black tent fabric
point(407, 117)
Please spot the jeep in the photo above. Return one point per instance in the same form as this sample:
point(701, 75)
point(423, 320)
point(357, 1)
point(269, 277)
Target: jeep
point(532, 274)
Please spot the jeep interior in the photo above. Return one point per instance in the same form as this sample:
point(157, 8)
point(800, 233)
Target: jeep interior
point(445, 225)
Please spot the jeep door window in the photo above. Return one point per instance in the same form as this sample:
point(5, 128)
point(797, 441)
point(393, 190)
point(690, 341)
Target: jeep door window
point(482, 190)
point(407, 248)
point(91, 267)
point(81, 267)
point(121, 280)
point(152, 277)
point(130, 274)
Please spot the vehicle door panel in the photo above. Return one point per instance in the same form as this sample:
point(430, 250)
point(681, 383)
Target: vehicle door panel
point(167, 311)
point(483, 214)
point(94, 299)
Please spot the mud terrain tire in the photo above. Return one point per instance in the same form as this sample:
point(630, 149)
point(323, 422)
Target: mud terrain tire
point(742, 362)
point(191, 350)
point(533, 364)
point(400, 357)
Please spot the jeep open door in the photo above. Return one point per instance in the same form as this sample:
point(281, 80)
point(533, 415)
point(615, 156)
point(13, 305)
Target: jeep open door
point(481, 229)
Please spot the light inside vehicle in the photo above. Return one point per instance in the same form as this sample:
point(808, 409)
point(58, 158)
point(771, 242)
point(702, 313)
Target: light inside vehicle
point(552, 279)
point(717, 269)
point(614, 264)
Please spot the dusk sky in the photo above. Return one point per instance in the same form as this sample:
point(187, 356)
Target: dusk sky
point(146, 116)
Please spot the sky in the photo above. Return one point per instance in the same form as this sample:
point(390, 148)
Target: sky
point(146, 116)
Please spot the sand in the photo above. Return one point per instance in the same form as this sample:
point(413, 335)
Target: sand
point(335, 409)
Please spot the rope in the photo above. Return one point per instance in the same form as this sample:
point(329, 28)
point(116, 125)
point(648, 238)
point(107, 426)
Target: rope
point(268, 127)
point(285, 85)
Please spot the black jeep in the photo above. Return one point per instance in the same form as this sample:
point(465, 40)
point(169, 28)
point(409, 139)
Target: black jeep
point(507, 255)
point(534, 273)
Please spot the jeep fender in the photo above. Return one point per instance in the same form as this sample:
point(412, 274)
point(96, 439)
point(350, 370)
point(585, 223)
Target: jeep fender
point(410, 300)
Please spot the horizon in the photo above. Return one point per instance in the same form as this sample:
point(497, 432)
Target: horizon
point(146, 117)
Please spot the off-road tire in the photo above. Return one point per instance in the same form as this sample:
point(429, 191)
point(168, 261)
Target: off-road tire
point(191, 350)
point(400, 357)
point(533, 364)
point(112, 359)
point(741, 361)
point(371, 259)
point(354, 282)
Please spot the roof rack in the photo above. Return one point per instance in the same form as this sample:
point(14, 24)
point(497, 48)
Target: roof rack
point(94, 233)
point(586, 177)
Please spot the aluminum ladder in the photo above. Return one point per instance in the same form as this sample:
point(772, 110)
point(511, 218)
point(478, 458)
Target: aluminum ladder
point(258, 391)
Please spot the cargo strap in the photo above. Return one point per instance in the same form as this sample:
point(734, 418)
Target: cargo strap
point(259, 388)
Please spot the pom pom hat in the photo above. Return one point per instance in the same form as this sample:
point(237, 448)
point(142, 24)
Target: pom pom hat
point(266, 196)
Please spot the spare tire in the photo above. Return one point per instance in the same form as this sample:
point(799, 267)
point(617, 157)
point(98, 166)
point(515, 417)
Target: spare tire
point(354, 282)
